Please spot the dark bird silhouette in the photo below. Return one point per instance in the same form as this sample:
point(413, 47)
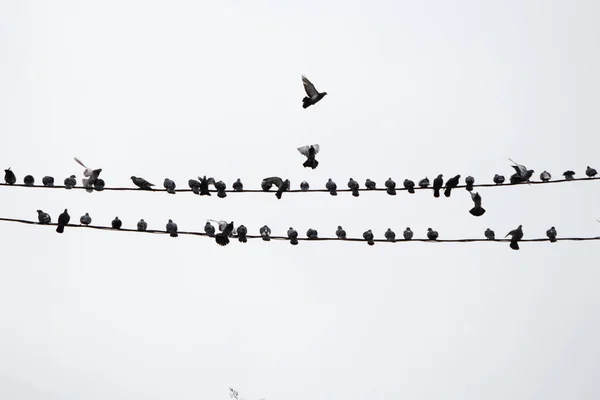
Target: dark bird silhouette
point(43, 218)
point(332, 187)
point(516, 235)
point(238, 186)
point(242, 231)
point(116, 223)
point(437, 185)
point(85, 219)
point(48, 181)
point(220, 186)
point(477, 210)
point(209, 229)
point(282, 186)
point(431, 234)
point(142, 225)
point(171, 228)
point(9, 177)
point(353, 185)
point(569, 175)
point(70, 182)
point(204, 182)
point(409, 185)
point(194, 185)
point(390, 235)
point(489, 234)
point(469, 181)
point(63, 219)
point(222, 238)
point(590, 172)
point(408, 234)
point(368, 236)
point(292, 234)
point(266, 186)
point(312, 234)
point(423, 183)
point(142, 183)
point(499, 179)
point(265, 233)
point(551, 233)
point(450, 184)
point(169, 185)
point(545, 176)
point(99, 184)
point(312, 94)
point(304, 186)
point(369, 184)
point(309, 152)
point(522, 173)
point(390, 187)
point(29, 180)
point(340, 233)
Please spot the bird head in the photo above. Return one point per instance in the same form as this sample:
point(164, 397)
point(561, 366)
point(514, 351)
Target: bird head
point(324, 94)
point(133, 178)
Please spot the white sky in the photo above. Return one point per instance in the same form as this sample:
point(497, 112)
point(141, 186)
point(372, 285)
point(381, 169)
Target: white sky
point(183, 88)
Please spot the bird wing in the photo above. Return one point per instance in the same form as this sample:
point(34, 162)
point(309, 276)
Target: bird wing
point(511, 233)
point(521, 170)
point(304, 150)
point(316, 147)
point(274, 180)
point(79, 162)
point(309, 87)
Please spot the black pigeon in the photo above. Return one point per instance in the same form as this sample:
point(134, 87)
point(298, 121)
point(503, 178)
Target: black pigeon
point(238, 186)
point(70, 182)
point(431, 234)
point(292, 234)
point(390, 236)
point(423, 183)
point(368, 236)
point(309, 152)
point(242, 231)
point(408, 234)
point(116, 223)
point(545, 176)
point(590, 172)
point(43, 218)
point(313, 96)
point(450, 184)
point(489, 234)
point(222, 238)
point(220, 186)
point(142, 225)
point(369, 184)
point(353, 185)
point(194, 185)
point(85, 219)
point(9, 177)
point(551, 233)
point(171, 228)
point(48, 181)
point(304, 186)
point(390, 187)
point(470, 181)
point(477, 210)
point(499, 179)
point(312, 234)
point(266, 186)
point(204, 182)
point(29, 180)
point(209, 229)
point(409, 185)
point(332, 187)
point(99, 184)
point(169, 185)
point(516, 235)
point(340, 233)
point(142, 183)
point(569, 175)
point(265, 233)
point(282, 185)
point(63, 219)
point(437, 185)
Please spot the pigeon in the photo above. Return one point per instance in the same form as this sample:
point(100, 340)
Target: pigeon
point(87, 172)
point(332, 187)
point(431, 234)
point(194, 185)
point(63, 219)
point(569, 175)
point(95, 174)
point(545, 176)
point(312, 233)
point(142, 225)
point(516, 235)
point(340, 233)
point(266, 186)
point(85, 219)
point(408, 234)
point(470, 181)
point(369, 184)
point(282, 185)
point(313, 96)
point(221, 224)
point(489, 234)
point(437, 185)
point(70, 182)
point(48, 181)
point(499, 179)
point(522, 173)
point(477, 210)
point(368, 236)
point(238, 186)
point(450, 184)
point(220, 186)
point(409, 185)
point(241, 233)
point(29, 180)
point(87, 185)
point(304, 186)
point(222, 238)
point(423, 183)
point(171, 228)
point(390, 236)
point(265, 233)
point(551, 233)
point(43, 218)
point(169, 185)
point(292, 234)
point(9, 177)
point(309, 152)
point(204, 182)
point(99, 184)
point(391, 187)
point(90, 174)
point(353, 185)
point(116, 223)
point(590, 172)
point(142, 183)
point(209, 229)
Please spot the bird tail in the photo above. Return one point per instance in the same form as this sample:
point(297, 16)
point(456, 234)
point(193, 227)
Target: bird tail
point(173, 234)
point(391, 191)
point(436, 192)
point(411, 190)
point(470, 188)
point(355, 192)
point(307, 163)
point(60, 228)
point(447, 191)
point(172, 191)
point(306, 102)
point(294, 241)
point(513, 243)
point(552, 240)
point(477, 211)
point(333, 192)
point(222, 239)
point(278, 194)
point(371, 242)
point(242, 239)
point(315, 164)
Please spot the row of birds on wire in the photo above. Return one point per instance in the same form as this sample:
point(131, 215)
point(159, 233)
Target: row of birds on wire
point(227, 230)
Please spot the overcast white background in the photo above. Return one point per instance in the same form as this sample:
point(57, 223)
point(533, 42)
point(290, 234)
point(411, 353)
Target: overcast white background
point(185, 88)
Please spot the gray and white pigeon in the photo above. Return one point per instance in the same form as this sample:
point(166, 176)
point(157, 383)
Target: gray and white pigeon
point(516, 235)
point(431, 234)
point(282, 185)
point(209, 229)
point(292, 234)
point(116, 223)
point(85, 219)
point(332, 187)
point(569, 175)
point(312, 94)
point(171, 228)
point(142, 183)
point(368, 236)
point(408, 234)
point(70, 182)
point(9, 177)
point(369, 184)
point(221, 224)
point(437, 185)
point(87, 172)
point(409, 185)
point(423, 183)
point(312, 234)
point(87, 185)
point(477, 210)
point(99, 184)
point(142, 225)
point(390, 235)
point(43, 218)
point(169, 185)
point(489, 234)
point(551, 233)
point(304, 186)
point(353, 185)
point(29, 180)
point(265, 233)
point(48, 181)
point(309, 152)
point(238, 186)
point(451, 184)
point(340, 233)
point(204, 182)
point(63, 219)
point(220, 186)
point(222, 238)
point(469, 181)
point(242, 231)
point(590, 172)
point(390, 187)
point(522, 173)
point(545, 176)
point(194, 185)
point(499, 179)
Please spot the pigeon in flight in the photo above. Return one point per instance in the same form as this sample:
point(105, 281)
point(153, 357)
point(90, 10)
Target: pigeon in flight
point(516, 235)
point(142, 183)
point(265, 233)
point(91, 174)
point(332, 187)
point(220, 186)
point(242, 231)
point(9, 177)
point(390, 235)
point(304, 186)
point(569, 175)
point(499, 179)
point(390, 187)
point(63, 219)
point(477, 210)
point(353, 185)
point(423, 183)
point(282, 185)
point(312, 234)
point(309, 152)
point(340, 233)
point(194, 185)
point(222, 238)
point(489, 234)
point(551, 233)
point(292, 234)
point(29, 180)
point(408, 234)
point(590, 172)
point(116, 223)
point(238, 186)
point(409, 185)
point(450, 184)
point(312, 95)
point(70, 182)
point(85, 219)
point(522, 173)
point(369, 184)
point(171, 228)
point(368, 236)
point(431, 234)
point(437, 185)
point(470, 181)
point(43, 218)
point(209, 229)
point(142, 225)
point(99, 184)
point(169, 185)
point(204, 182)
point(545, 176)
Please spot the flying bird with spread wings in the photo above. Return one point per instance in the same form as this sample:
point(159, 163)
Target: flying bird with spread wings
point(313, 95)
point(309, 152)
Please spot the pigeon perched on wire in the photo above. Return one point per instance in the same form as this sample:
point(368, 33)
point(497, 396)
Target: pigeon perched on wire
point(265, 233)
point(569, 175)
point(29, 180)
point(116, 223)
point(551, 233)
point(304, 186)
point(340, 233)
point(309, 152)
point(437, 185)
point(99, 184)
point(87, 185)
point(43, 218)
point(63, 219)
point(171, 228)
point(424, 183)
point(266, 186)
point(292, 234)
point(85, 219)
point(499, 179)
point(477, 210)
point(238, 186)
point(9, 177)
point(369, 184)
point(368, 236)
point(409, 185)
point(70, 182)
point(221, 224)
point(431, 234)
point(220, 186)
point(282, 185)
point(222, 238)
point(312, 233)
point(489, 234)
point(390, 187)
point(169, 185)
point(89, 173)
point(242, 231)
point(142, 183)
point(390, 235)
point(312, 94)
point(522, 173)
point(209, 229)
point(332, 187)
point(451, 184)
point(408, 234)
point(469, 181)
point(516, 235)
point(590, 172)
point(545, 176)
point(48, 181)
point(353, 185)
point(142, 225)
point(204, 182)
